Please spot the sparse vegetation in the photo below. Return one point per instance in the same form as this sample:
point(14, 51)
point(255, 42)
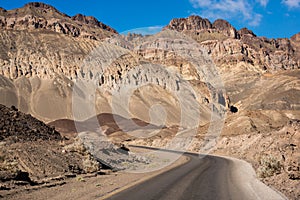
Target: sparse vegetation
point(269, 166)
point(80, 179)
point(89, 163)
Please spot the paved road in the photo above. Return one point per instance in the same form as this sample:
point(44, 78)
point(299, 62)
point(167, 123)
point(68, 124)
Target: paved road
point(207, 178)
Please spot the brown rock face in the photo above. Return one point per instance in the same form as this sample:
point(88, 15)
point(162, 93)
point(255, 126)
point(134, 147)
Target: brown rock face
point(245, 31)
point(225, 27)
point(90, 20)
point(191, 23)
point(296, 37)
point(19, 127)
point(41, 6)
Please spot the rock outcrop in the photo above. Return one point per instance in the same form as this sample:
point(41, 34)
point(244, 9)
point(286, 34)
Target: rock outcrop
point(19, 127)
point(32, 152)
point(42, 17)
point(192, 23)
point(229, 46)
point(38, 40)
point(225, 27)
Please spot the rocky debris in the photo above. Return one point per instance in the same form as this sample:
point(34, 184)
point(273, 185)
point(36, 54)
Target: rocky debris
point(110, 154)
point(270, 144)
point(124, 148)
point(291, 155)
point(33, 153)
point(39, 16)
point(19, 127)
point(278, 160)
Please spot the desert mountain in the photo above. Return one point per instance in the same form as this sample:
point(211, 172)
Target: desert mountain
point(39, 61)
point(62, 69)
point(230, 46)
point(40, 16)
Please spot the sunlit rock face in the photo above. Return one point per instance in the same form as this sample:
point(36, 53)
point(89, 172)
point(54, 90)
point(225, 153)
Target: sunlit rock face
point(229, 46)
point(44, 53)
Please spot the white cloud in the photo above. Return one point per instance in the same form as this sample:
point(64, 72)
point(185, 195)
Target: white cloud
point(227, 9)
point(263, 2)
point(144, 30)
point(256, 20)
point(292, 3)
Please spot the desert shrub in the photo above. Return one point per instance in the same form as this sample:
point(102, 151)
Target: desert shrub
point(269, 166)
point(90, 165)
point(77, 146)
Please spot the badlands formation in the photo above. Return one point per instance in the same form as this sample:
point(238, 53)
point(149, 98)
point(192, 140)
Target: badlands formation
point(194, 74)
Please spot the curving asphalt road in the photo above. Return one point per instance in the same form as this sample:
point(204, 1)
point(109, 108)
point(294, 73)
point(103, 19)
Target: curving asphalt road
point(208, 178)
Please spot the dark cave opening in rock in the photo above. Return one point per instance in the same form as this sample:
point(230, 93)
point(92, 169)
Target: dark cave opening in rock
point(234, 109)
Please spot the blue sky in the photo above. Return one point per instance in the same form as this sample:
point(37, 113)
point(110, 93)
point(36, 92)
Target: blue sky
point(270, 18)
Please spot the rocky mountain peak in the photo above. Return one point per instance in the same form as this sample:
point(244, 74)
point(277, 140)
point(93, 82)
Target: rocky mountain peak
point(39, 5)
point(296, 37)
point(225, 27)
point(90, 20)
point(245, 31)
point(2, 10)
point(198, 24)
point(229, 46)
point(39, 16)
point(221, 24)
point(85, 19)
point(39, 9)
point(191, 23)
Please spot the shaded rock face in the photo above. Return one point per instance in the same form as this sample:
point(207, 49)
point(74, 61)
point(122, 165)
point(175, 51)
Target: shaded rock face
point(90, 20)
point(39, 16)
point(18, 127)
